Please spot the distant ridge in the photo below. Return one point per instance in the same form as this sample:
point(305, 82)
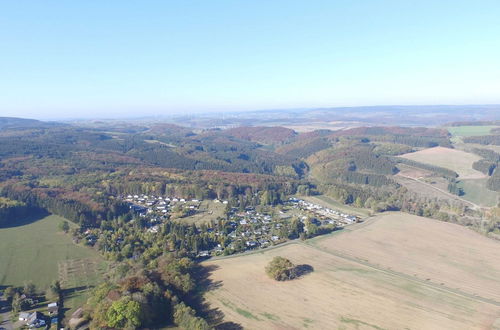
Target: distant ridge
point(13, 122)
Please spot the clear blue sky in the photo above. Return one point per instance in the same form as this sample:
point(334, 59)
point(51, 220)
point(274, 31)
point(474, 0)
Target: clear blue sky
point(118, 58)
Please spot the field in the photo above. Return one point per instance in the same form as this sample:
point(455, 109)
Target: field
point(394, 271)
point(35, 250)
point(470, 130)
point(476, 192)
point(207, 212)
point(455, 160)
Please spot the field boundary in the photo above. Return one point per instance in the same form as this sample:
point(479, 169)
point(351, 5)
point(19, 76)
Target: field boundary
point(311, 244)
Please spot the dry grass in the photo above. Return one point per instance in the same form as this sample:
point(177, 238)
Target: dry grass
point(441, 252)
point(453, 159)
point(345, 292)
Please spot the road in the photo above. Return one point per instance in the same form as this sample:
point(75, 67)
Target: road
point(474, 205)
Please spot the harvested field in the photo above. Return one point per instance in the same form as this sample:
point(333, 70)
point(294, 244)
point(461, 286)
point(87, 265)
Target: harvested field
point(347, 292)
point(439, 252)
point(453, 159)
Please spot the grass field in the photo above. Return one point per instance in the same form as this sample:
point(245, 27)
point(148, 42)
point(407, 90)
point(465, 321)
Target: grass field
point(470, 130)
point(475, 191)
point(453, 159)
point(393, 272)
point(208, 211)
point(35, 250)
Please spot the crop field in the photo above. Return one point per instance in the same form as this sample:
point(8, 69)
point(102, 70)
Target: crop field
point(380, 274)
point(37, 251)
point(453, 159)
point(470, 130)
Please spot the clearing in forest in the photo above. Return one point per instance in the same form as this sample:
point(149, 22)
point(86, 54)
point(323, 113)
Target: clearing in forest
point(453, 159)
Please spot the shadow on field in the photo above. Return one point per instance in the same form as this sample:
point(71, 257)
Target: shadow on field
point(214, 316)
point(301, 270)
point(26, 220)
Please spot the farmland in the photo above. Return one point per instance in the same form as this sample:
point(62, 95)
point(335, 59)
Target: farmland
point(35, 250)
point(470, 130)
point(455, 160)
point(394, 271)
point(476, 192)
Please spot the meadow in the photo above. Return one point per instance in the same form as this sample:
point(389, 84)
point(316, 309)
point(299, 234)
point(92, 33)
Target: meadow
point(381, 274)
point(35, 250)
point(470, 130)
point(475, 191)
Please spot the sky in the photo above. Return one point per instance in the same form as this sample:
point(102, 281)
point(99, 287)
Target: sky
point(94, 58)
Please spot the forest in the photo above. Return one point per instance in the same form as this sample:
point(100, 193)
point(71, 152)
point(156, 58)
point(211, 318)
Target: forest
point(82, 173)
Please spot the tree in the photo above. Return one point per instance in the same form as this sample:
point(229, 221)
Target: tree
point(54, 290)
point(185, 318)
point(9, 293)
point(16, 303)
point(281, 269)
point(64, 226)
point(124, 313)
point(29, 289)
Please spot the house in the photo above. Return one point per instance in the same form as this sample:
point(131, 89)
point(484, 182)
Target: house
point(35, 320)
point(52, 308)
point(23, 316)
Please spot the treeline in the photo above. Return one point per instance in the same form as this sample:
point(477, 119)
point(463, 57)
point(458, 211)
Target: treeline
point(87, 213)
point(494, 181)
point(444, 172)
point(489, 166)
point(12, 210)
point(415, 141)
point(485, 139)
point(376, 180)
point(454, 188)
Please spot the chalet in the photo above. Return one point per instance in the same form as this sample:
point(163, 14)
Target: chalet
point(23, 316)
point(52, 309)
point(35, 320)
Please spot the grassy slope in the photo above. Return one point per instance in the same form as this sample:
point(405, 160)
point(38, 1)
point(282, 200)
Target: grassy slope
point(476, 192)
point(35, 250)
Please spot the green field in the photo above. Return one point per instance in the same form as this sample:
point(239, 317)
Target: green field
point(470, 130)
point(475, 191)
point(35, 250)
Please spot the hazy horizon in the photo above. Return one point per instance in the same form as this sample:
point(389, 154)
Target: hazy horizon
point(116, 59)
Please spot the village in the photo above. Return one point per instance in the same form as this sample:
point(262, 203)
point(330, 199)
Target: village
point(245, 228)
